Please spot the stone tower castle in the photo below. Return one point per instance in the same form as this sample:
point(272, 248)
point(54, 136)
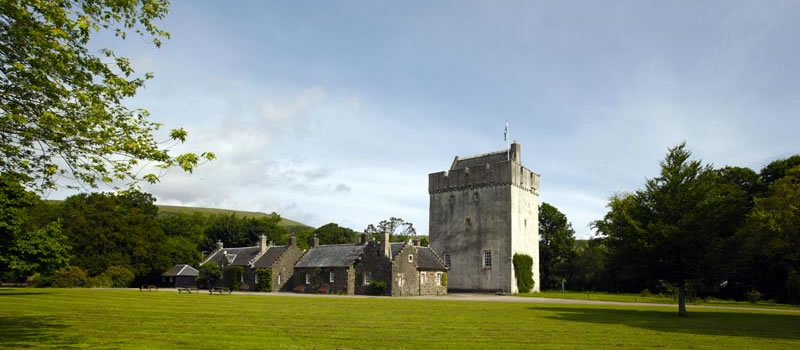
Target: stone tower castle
point(482, 211)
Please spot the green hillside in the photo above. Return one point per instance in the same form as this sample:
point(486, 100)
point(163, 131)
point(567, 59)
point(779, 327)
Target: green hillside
point(174, 209)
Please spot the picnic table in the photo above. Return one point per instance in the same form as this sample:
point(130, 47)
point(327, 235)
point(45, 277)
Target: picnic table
point(149, 287)
point(219, 290)
point(187, 290)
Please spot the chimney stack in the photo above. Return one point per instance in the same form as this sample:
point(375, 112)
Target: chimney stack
point(262, 244)
point(364, 238)
point(387, 250)
point(415, 241)
point(293, 240)
point(219, 244)
point(315, 241)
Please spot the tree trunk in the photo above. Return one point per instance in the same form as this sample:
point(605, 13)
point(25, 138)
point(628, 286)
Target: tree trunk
point(682, 300)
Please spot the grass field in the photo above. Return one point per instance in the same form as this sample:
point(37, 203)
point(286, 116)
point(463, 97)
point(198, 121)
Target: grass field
point(167, 209)
point(637, 298)
point(71, 318)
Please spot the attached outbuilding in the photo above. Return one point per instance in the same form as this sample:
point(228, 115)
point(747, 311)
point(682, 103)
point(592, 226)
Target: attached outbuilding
point(180, 276)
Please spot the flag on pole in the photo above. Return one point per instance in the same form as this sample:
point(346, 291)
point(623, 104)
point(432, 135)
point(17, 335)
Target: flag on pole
point(505, 133)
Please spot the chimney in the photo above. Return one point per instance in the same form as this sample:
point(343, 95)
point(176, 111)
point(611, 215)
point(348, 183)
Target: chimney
point(387, 250)
point(364, 238)
point(315, 241)
point(219, 244)
point(292, 240)
point(515, 153)
point(262, 243)
point(415, 241)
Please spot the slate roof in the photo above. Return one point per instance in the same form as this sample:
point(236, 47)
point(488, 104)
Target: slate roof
point(239, 256)
point(480, 159)
point(396, 248)
point(337, 255)
point(181, 270)
point(428, 260)
point(269, 257)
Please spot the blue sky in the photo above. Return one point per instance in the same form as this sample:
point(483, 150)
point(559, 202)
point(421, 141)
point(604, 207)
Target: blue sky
point(337, 111)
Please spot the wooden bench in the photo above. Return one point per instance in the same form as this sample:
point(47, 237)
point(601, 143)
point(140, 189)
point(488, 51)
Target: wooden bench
point(187, 290)
point(149, 287)
point(219, 290)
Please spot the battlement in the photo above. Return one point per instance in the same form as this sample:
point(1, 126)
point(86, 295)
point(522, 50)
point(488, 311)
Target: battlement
point(506, 173)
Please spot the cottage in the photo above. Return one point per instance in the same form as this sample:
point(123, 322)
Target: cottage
point(328, 268)
point(250, 265)
point(405, 268)
point(180, 276)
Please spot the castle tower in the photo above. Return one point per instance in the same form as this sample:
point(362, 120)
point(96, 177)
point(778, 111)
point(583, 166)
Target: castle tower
point(483, 211)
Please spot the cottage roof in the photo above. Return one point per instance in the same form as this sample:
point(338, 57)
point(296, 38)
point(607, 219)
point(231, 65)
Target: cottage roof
point(234, 256)
point(396, 248)
point(336, 255)
point(181, 270)
point(480, 159)
point(268, 258)
point(427, 259)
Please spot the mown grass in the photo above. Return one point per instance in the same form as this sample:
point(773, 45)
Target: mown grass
point(657, 299)
point(71, 318)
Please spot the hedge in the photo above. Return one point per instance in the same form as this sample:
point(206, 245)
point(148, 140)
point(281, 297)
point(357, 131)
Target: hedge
point(523, 271)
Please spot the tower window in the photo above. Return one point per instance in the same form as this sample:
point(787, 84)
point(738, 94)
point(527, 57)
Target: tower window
point(468, 223)
point(487, 259)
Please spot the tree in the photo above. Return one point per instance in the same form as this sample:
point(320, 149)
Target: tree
point(396, 227)
point(210, 273)
point(670, 226)
point(335, 234)
point(61, 104)
point(556, 245)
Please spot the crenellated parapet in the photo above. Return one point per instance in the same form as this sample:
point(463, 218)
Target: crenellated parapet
point(486, 175)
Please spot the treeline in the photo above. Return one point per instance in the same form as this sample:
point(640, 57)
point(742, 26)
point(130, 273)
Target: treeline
point(107, 239)
point(693, 230)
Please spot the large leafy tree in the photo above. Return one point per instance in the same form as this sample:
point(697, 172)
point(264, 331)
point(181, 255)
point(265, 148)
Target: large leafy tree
point(671, 228)
point(335, 234)
point(556, 245)
point(397, 228)
point(61, 104)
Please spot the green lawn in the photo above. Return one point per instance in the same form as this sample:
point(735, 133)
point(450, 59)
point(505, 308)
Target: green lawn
point(653, 299)
point(131, 319)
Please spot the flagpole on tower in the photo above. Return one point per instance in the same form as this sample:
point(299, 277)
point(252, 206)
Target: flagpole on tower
point(508, 145)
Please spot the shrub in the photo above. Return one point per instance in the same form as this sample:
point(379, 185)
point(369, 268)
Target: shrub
point(523, 271)
point(119, 276)
point(646, 293)
point(100, 281)
point(444, 279)
point(38, 280)
point(210, 274)
point(234, 276)
point(377, 287)
point(70, 277)
point(264, 280)
point(753, 296)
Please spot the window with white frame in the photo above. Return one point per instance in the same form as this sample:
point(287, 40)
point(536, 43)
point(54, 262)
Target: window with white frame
point(487, 259)
point(256, 279)
point(308, 279)
point(330, 277)
point(410, 257)
point(279, 279)
point(367, 278)
point(447, 260)
point(422, 277)
point(438, 278)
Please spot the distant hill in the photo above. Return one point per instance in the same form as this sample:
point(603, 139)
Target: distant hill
point(289, 224)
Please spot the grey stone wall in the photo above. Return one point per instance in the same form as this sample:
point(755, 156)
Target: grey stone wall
point(284, 266)
point(374, 262)
point(427, 283)
point(320, 276)
point(405, 278)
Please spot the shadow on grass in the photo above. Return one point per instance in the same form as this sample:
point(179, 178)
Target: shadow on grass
point(28, 331)
point(735, 324)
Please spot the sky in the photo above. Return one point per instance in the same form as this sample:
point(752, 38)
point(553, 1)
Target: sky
point(337, 111)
